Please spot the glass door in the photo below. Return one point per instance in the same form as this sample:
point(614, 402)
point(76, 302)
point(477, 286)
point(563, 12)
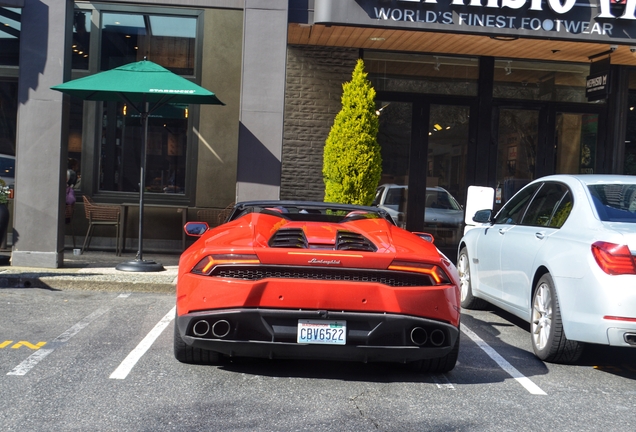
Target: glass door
point(394, 137)
point(575, 143)
point(448, 136)
point(518, 137)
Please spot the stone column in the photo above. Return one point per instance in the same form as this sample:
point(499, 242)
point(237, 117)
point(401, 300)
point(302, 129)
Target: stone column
point(262, 99)
point(42, 136)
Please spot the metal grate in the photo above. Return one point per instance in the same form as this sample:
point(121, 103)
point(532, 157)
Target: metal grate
point(390, 278)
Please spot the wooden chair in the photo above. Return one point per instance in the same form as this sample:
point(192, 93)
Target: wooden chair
point(214, 217)
point(223, 215)
point(101, 214)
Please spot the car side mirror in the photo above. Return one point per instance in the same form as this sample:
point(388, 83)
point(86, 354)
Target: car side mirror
point(425, 236)
point(482, 216)
point(196, 229)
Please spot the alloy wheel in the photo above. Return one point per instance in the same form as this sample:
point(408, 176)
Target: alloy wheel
point(463, 268)
point(542, 316)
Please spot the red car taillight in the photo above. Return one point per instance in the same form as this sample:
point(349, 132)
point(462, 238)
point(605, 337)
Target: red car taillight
point(614, 259)
point(209, 262)
point(438, 275)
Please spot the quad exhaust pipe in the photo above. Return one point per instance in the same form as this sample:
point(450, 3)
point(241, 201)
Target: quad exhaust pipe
point(201, 328)
point(437, 337)
point(219, 329)
point(419, 336)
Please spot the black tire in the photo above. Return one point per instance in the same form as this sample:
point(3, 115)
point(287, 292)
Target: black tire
point(440, 364)
point(187, 354)
point(468, 300)
point(546, 329)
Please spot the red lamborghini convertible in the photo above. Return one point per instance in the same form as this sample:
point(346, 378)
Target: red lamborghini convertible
point(312, 280)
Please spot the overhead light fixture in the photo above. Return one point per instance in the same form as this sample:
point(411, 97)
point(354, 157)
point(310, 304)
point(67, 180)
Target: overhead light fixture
point(504, 38)
point(377, 39)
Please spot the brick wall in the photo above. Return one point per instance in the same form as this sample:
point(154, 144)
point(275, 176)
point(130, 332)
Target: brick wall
point(312, 99)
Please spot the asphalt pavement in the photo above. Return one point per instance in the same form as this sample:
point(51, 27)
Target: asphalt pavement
point(93, 270)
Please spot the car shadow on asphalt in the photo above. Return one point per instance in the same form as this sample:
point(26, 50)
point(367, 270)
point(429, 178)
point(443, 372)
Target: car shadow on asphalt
point(482, 365)
point(620, 361)
point(332, 370)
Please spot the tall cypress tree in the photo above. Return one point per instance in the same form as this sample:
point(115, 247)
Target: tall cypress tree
point(352, 163)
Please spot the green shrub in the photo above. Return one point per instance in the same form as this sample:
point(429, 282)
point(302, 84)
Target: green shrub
point(352, 164)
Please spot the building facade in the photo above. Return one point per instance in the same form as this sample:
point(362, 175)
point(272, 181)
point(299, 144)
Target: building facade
point(469, 92)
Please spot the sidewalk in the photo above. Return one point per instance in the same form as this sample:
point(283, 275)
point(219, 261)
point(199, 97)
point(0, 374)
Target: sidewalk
point(93, 270)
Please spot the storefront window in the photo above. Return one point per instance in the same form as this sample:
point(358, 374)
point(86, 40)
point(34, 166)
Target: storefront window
point(540, 81)
point(165, 40)
point(448, 138)
point(122, 137)
point(9, 36)
point(630, 136)
point(576, 136)
point(394, 137)
point(8, 116)
point(81, 38)
point(419, 73)
point(517, 151)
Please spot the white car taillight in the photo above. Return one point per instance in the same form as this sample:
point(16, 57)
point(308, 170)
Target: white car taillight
point(614, 259)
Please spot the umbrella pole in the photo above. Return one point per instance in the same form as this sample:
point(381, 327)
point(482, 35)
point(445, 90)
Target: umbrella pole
point(139, 265)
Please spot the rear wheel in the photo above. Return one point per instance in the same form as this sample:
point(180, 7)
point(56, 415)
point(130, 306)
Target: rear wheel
point(440, 364)
point(548, 338)
point(187, 354)
point(468, 300)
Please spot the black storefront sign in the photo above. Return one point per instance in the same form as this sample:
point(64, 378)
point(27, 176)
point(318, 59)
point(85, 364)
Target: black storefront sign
point(575, 20)
point(598, 82)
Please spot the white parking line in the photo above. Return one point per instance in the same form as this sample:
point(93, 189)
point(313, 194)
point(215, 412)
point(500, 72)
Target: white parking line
point(37, 356)
point(129, 362)
point(521, 379)
point(442, 382)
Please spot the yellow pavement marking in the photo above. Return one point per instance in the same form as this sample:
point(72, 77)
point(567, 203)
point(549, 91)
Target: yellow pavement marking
point(5, 343)
point(28, 344)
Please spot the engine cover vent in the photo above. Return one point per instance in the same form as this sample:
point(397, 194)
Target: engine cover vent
point(289, 238)
point(348, 240)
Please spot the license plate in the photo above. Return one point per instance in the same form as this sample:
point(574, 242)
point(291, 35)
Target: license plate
point(322, 332)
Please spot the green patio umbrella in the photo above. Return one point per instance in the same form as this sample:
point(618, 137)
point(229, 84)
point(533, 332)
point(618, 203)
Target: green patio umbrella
point(145, 86)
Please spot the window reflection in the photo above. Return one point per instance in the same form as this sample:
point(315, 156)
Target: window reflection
point(532, 80)
point(9, 36)
point(421, 73)
point(8, 116)
point(516, 152)
point(120, 160)
point(166, 40)
point(81, 38)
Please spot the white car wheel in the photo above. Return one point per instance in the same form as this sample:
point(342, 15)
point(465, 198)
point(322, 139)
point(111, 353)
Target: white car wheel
point(548, 338)
point(468, 301)
point(542, 316)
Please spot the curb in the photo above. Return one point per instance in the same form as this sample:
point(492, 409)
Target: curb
point(90, 280)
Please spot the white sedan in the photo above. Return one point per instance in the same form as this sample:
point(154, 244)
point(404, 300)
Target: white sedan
point(560, 254)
